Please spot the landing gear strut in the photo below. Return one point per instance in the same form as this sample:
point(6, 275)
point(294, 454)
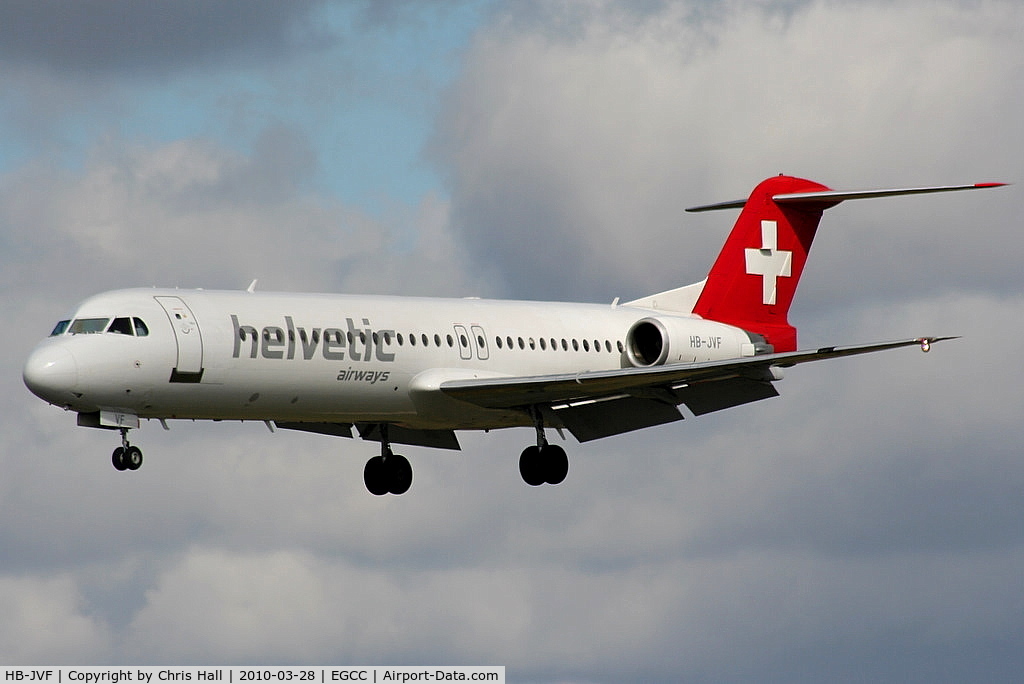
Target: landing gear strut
point(544, 463)
point(388, 473)
point(126, 456)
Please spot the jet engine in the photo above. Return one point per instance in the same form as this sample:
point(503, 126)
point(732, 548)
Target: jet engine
point(665, 340)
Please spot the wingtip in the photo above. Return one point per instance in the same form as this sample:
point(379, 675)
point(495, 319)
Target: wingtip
point(927, 342)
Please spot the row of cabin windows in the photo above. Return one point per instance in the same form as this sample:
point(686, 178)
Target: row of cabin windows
point(554, 345)
point(87, 326)
point(336, 337)
point(502, 343)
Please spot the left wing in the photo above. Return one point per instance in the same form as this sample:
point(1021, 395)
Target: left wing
point(595, 404)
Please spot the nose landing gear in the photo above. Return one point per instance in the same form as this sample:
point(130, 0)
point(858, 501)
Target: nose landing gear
point(126, 456)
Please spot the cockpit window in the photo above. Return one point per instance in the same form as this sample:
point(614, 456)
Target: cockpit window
point(88, 325)
point(121, 326)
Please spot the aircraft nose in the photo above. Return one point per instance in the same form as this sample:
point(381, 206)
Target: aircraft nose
point(51, 374)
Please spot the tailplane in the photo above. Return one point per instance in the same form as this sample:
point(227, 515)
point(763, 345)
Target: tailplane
point(754, 279)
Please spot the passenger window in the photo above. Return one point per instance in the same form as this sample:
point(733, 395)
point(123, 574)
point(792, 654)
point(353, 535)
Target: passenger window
point(121, 326)
point(88, 326)
point(140, 328)
point(60, 328)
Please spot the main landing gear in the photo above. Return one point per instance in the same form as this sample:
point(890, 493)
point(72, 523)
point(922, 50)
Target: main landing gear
point(544, 463)
point(126, 456)
point(388, 473)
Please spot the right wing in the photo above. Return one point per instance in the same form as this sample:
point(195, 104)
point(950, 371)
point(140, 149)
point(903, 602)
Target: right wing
point(594, 404)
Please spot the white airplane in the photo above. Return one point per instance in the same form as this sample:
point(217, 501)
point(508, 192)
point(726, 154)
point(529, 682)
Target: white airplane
point(413, 370)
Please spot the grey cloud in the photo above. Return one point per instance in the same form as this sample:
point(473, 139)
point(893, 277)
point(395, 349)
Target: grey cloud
point(127, 37)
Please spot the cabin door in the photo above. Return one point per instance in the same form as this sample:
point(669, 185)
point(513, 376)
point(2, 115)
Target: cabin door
point(189, 365)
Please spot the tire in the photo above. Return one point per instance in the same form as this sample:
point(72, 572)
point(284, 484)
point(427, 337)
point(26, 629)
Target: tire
point(555, 462)
point(399, 474)
point(133, 458)
point(118, 459)
point(530, 466)
point(375, 476)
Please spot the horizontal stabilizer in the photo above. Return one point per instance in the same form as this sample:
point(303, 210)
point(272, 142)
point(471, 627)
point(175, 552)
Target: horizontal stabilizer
point(832, 197)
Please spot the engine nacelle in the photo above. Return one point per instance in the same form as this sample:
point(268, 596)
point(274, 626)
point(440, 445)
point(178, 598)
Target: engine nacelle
point(656, 341)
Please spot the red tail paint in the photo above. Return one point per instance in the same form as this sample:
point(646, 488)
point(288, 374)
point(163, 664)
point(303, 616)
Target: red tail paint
point(752, 282)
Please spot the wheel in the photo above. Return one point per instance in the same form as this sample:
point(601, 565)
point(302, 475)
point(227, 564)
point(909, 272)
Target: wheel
point(375, 476)
point(555, 463)
point(531, 467)
point(118, 459)
point(399, 474)
point(133, 458)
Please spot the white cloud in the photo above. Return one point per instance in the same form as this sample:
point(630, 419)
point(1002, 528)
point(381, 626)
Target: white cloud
point(45, 621)
point(580, 132)
point(192, 214)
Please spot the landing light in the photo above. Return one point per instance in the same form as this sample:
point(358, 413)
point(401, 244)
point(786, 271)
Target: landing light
point(926, 345)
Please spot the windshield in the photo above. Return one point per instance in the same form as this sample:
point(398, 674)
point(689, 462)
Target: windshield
point(60, 328)
point(88, 325)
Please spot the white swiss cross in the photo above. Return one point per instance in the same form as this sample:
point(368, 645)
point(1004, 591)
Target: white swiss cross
point(769, 262)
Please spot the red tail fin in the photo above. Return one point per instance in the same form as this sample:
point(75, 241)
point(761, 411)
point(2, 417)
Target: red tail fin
point(755, 276)
point(752, 283)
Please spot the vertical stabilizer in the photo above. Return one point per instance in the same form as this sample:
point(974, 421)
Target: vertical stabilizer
point(752, 283)
point(755, 276)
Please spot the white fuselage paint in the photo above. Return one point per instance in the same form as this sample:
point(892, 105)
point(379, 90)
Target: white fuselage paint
point(303, 366)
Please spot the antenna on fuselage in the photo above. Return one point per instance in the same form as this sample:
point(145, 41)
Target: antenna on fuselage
point(252, 286)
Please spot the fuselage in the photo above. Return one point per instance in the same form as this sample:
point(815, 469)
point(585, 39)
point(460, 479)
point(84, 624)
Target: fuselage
point(412, 370)
point(238, 355)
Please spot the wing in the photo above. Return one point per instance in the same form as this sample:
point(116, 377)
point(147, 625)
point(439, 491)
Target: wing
point(596, 404)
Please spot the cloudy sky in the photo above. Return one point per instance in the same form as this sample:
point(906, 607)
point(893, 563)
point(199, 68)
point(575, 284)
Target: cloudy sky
point(868, 524)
